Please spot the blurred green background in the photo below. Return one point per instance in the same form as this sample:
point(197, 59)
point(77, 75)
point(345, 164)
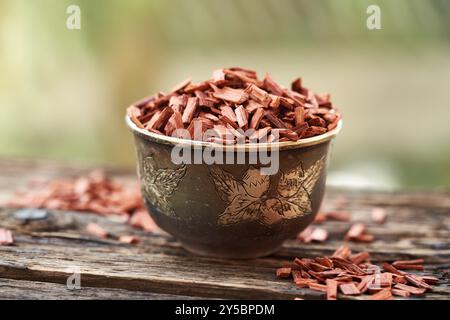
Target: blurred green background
point(63, 92)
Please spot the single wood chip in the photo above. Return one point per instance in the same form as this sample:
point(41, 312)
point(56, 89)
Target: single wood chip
point(349, 289)
point(429, 279)
point(259, 95)
point(305, 235)
point(386, 279)
point(6, 237)
point(128, 239)
point(338, 215)
point(142, 220)
point(237, 96)
point(297, 85)
point(256, 118)
point(355, 231)
point(384, 294)
point(390, 268)
point(96, 230)
point(400, 293)
point(317, 287)
point(284, 272)
point(410, 289)
point(241, 116)
point(319, 235)
point(408, 262)
point(400, 266)
point(417, 281)
point(365, 283)
point(189, 111)
point(360, 257)
point(332, 287)
point(278, 123)
point(342, 252)
point(379, 215)
point(299, 116)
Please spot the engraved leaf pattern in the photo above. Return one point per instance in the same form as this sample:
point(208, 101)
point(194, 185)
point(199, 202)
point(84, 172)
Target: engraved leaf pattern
point(248, 199)
point(160, 184)
point(242, 197)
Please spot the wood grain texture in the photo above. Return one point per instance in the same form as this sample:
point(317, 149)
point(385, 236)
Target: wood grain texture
point(418, 226)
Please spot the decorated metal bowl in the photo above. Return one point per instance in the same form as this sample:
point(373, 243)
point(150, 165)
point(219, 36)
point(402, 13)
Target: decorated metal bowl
point(232, 210)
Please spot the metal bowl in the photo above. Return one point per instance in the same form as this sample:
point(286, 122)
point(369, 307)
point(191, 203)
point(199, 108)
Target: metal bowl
point(232, 210)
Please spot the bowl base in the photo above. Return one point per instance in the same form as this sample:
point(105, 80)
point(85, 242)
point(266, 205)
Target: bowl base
point(251, 253)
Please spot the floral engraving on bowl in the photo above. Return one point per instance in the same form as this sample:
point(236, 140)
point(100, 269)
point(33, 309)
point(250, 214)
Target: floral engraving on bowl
point(159, 184)
point(255, 197)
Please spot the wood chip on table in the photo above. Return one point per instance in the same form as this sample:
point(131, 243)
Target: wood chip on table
point(390, 268)
point(129, 239)
point(379, 215)
point(342, 252)
point(349, 289)
point(429, 280)
point(410, 289)
point(96, 230)
point(384, 294)
point(6, 237)
point(332, 287)
point(417, 281)
point(386, 279)
point(317, 287)
point(142, 220)
point(326, 274)
point(305, 235)
point(400, 293)
point(320, 218)
point(365, 283)
point(338, 215)
point(399, 264)
point(355, 231)
point(284, 272)
point(319, 235)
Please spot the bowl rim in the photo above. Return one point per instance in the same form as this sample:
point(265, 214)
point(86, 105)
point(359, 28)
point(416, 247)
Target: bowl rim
point(168, 140)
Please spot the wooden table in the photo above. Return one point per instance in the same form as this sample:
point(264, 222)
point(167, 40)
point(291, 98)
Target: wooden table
point(46, 252)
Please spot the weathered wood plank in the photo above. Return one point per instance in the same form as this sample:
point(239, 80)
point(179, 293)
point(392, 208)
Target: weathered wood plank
point(34, 290)
point(418, 226)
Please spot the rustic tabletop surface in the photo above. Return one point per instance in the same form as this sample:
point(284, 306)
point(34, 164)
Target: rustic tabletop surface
point(46, 252)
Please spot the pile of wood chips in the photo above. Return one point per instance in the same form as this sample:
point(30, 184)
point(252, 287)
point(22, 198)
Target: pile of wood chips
point(94, 193)
point(231, 103)
point(353, 275)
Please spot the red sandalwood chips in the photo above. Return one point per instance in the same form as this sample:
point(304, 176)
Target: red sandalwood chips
point(238, 107)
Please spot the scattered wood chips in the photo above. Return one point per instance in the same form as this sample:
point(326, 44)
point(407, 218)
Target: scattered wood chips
point(235, 98)
point(354, 275)
point(94, 193)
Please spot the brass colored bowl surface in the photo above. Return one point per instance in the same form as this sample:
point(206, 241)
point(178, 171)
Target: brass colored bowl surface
point(232, 210)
